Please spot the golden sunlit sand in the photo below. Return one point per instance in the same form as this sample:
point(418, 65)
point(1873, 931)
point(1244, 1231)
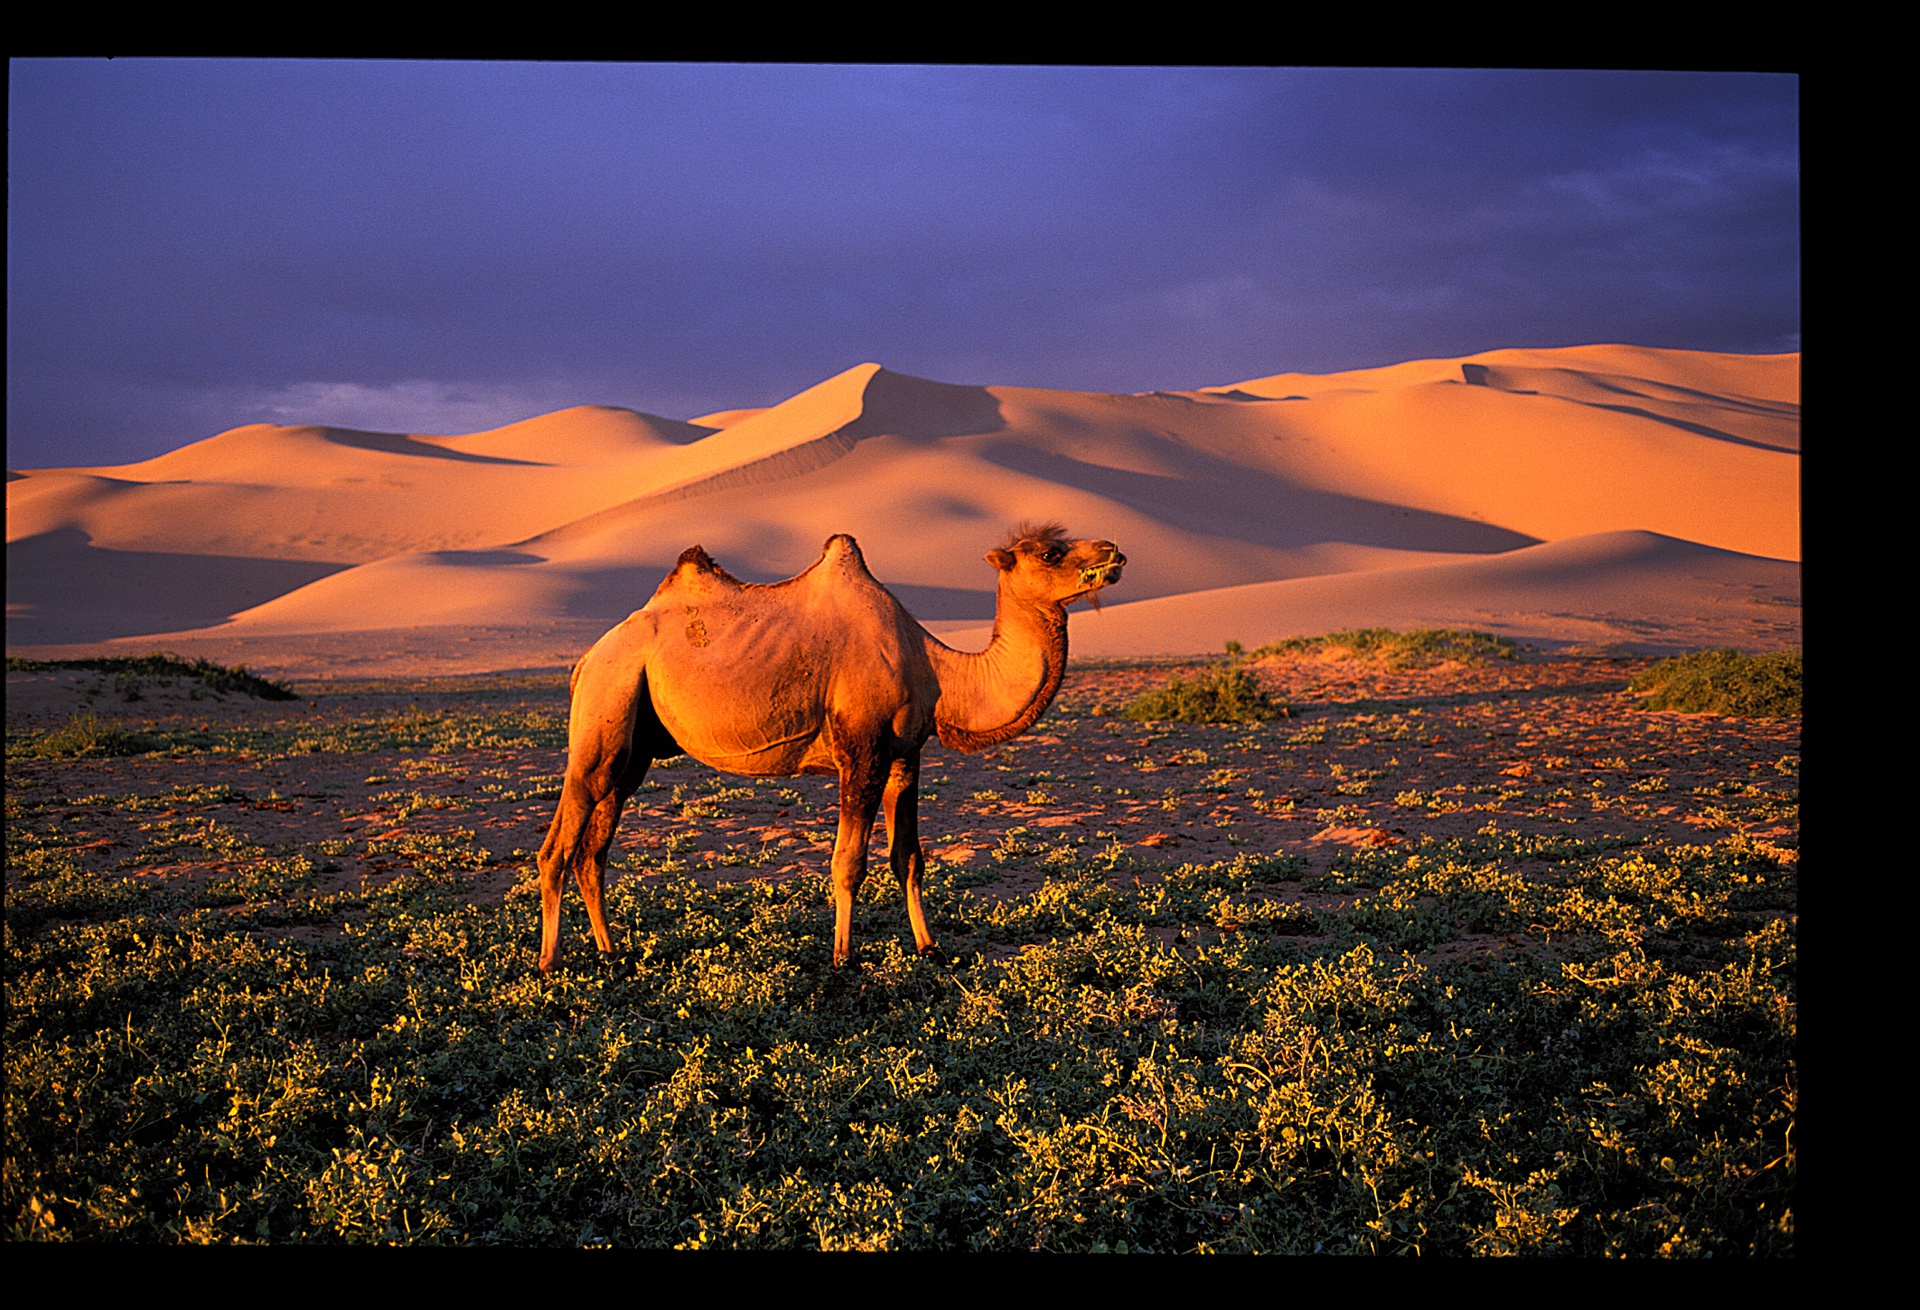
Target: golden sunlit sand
point(1601, 496)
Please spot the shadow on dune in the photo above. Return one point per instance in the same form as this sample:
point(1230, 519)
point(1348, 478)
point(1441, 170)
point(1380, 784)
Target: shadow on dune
point(1481, 375)
point(1228, 500)
point(486, 558)
point(930, 603)
point(1235, 393)
point(893, 405)
point(1698, 429)
point(62, 588)
point(900, 405)
point(1725, 400)
point(393, 443)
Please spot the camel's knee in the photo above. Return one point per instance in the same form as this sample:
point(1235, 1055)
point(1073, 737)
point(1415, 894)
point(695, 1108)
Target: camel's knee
point(848, 875)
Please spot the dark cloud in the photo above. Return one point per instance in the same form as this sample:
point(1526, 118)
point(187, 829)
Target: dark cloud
point(196, 244)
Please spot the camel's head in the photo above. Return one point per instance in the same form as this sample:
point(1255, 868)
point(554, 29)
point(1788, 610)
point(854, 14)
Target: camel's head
point(1040, 563)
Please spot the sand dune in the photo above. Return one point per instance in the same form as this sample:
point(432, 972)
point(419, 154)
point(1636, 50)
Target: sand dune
point(1632, 591)
point(1518, 490)
point(334, 495)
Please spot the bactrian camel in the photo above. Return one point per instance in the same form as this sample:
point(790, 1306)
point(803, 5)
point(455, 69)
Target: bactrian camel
point(824, 673)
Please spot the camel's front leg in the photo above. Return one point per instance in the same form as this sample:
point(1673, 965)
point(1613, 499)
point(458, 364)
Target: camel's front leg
point(901, 804)
point(861, 782)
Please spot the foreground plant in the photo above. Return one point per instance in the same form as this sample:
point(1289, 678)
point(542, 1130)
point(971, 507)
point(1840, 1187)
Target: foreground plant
point(1723, 681)
point(83, 734)
point(232, 1021)
point(1418, 649)
point(1224, 694)
point(180, 1069)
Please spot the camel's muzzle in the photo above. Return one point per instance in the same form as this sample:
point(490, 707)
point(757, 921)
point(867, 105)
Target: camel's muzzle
point(1104, 570)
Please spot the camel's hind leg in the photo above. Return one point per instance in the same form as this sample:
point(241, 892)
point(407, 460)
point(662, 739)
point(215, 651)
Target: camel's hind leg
point(608, 751)
point(901, 805)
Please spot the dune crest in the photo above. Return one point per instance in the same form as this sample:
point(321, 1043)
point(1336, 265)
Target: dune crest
point(1431, 488)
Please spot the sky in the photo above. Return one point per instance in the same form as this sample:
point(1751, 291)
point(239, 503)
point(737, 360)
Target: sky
point(446, 247)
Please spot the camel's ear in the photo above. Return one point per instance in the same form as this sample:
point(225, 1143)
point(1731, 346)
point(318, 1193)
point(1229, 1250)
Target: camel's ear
point(1000, 559)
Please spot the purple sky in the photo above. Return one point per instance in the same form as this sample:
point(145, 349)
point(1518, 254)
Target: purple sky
point(445, 247)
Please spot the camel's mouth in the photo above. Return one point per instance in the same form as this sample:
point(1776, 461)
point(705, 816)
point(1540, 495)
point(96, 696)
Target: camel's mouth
point(1103, 572)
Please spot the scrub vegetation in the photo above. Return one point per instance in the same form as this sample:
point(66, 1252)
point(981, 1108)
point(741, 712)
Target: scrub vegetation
point(1450, 963)
point(1417, 649)
point(1226, 694)
point(1724, 682)
point(128, 671)
point(84, 733)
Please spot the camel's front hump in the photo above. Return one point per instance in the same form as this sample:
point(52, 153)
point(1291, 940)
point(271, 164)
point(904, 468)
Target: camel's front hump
point(741, 687)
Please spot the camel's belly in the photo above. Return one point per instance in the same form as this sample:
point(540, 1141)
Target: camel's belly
point(776, 762)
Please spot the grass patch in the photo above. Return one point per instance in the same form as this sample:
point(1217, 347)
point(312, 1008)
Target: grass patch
point(84, 734)
point(162, 665)
point(1419, 649)
point(1723, 681)
point(1226, 694)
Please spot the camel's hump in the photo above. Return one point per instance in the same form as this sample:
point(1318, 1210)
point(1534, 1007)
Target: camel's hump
point(840, 564)
point(696, 572)
point(697, 559)
point(842, 549)
point(841, 560)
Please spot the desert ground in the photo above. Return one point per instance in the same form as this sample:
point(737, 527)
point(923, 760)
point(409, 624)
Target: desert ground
point(1468, 957)
point(1366, 758)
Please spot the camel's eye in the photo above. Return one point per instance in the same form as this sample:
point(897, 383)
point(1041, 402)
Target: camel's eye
point(1053, 554)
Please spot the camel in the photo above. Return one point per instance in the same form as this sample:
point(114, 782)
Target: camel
point(825, 673)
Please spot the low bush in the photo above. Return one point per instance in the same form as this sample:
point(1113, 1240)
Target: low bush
point(1228, 694)
point(1723, 681)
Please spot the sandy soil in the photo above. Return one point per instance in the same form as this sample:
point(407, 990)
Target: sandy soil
point(1369, 757)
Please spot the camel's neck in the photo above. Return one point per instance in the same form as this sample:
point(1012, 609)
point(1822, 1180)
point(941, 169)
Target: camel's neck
point(998, 693)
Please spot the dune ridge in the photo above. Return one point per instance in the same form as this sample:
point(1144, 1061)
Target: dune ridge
point(1525, 491)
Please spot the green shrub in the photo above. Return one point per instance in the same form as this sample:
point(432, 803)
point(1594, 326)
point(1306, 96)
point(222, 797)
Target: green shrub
point(1724, 681)
point(84, 733)
point(1222, 695)
point(1401, 650)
